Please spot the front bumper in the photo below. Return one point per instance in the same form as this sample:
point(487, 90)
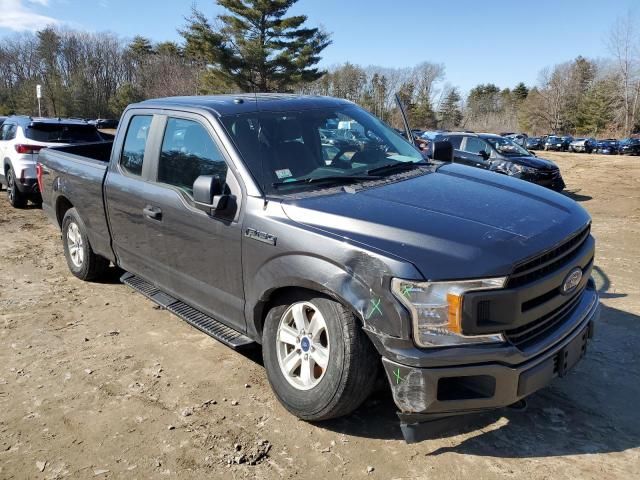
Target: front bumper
point(423, 394)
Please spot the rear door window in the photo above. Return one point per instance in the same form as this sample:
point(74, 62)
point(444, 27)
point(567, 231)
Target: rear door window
point(62, 133)
point(188, 151)
point(135, 144)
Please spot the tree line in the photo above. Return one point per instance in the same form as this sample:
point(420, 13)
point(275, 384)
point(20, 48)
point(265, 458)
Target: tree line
point(254, 46)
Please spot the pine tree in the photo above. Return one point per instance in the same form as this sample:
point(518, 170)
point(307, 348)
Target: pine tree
point(257, 46)
point(520, 92)
point(450, 113)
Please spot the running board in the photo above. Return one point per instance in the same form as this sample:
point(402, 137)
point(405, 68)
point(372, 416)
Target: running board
point(193, 317)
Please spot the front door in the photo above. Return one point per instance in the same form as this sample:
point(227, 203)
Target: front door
point(475, 152)
point(201, 254)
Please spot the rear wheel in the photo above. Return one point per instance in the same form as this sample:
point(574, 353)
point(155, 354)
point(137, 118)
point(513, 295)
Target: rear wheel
point(81, 259)
point(16, 198)
point(319, 362)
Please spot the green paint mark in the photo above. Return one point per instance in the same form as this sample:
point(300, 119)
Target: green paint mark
point(375, 308)
point(399, 379)
point(406, 291)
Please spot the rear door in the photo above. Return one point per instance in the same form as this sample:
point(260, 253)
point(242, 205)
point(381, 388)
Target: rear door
point(137, 248)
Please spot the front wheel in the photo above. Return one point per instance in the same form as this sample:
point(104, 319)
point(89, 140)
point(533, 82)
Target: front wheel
point(319, 361)
point(81, 259)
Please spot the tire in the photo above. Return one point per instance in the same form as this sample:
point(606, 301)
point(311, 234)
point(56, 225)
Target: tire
point(17, 199)
point(81, 259)
point(351, 364)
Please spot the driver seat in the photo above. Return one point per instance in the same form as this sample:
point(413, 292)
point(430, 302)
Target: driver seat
point(290, 152)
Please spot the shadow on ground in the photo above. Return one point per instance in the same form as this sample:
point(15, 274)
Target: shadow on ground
point(576, 196)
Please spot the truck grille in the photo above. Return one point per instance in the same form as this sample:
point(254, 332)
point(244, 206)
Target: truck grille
point(541, 265)
point(524, 336)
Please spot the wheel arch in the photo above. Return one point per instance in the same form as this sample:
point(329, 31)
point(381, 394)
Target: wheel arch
point(356, 290)
point(61, 207)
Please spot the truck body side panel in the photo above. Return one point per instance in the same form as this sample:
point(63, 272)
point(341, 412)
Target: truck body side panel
point(77, 180)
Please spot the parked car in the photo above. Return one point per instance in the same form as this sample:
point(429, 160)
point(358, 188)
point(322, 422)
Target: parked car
point(222, 210)
point(608, 146)
point(582, 145)
point(534, 143)
point(560, 144)
point(502, 155)
point(21, 138)
point(629, 146)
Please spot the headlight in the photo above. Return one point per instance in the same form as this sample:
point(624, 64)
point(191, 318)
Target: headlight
point(513, 168)
point(436, 310)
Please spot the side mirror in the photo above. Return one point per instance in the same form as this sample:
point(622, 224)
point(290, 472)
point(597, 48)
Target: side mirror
point(442, 151)
point(483, 154)
point(209, 196)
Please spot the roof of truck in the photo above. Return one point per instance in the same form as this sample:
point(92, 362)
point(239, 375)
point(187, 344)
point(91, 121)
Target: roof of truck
point(245, 102)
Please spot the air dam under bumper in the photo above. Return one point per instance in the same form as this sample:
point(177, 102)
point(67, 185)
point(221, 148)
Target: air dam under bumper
point(424, 394)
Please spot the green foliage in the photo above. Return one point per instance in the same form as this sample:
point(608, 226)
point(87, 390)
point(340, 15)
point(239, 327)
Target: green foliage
point(257, 48)
point(125, 95)
point(450, 114)
point(598, 108)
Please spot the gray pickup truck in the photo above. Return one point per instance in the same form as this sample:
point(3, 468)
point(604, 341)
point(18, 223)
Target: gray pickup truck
point(346, 261)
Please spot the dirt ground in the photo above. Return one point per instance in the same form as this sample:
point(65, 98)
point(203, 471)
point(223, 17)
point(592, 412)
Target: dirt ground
point(97, 382)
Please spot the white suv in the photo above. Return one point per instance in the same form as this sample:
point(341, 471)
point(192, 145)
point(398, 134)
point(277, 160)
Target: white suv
point(21, 138)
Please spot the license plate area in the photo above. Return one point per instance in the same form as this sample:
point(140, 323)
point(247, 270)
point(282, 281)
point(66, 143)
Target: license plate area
point(567, 358)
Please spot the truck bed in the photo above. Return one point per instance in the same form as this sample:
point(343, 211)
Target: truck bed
point(81, 168)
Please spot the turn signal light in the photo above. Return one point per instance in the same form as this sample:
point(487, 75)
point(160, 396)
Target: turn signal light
point(455, 311)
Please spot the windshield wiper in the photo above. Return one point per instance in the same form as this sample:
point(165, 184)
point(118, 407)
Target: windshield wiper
point(397, 166)
point(327, 179)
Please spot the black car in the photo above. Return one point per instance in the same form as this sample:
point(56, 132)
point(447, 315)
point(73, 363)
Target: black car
point(608, 146)
point(629, 146)
point(557, 143)
point(534, 143)
point(502, 155)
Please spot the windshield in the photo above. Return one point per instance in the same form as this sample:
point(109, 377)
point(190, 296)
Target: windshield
point(338, 144)
point(507, 146)
point(62, 133)
point(554, 139)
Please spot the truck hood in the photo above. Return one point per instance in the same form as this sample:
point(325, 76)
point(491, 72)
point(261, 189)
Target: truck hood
point(455, 222)
point(534, 162)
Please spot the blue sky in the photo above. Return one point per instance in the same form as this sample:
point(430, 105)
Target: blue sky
point(495, 41)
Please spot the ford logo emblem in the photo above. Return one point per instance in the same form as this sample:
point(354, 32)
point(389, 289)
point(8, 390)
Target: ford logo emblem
point(571, 281)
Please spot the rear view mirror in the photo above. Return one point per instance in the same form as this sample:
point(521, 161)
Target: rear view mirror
point(442, 151)
point(209, 196)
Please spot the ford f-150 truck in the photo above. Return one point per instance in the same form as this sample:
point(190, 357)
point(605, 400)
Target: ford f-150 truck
point(469, 290)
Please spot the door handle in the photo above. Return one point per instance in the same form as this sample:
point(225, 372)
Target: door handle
point(154, 213)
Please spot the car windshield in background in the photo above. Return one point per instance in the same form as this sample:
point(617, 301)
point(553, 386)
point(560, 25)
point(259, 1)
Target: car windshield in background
point(62, 133)
point(554, 140)
point(506, 146)
point(299, 150)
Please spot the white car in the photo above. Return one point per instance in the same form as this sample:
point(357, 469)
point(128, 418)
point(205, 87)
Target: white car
point(21, 138)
